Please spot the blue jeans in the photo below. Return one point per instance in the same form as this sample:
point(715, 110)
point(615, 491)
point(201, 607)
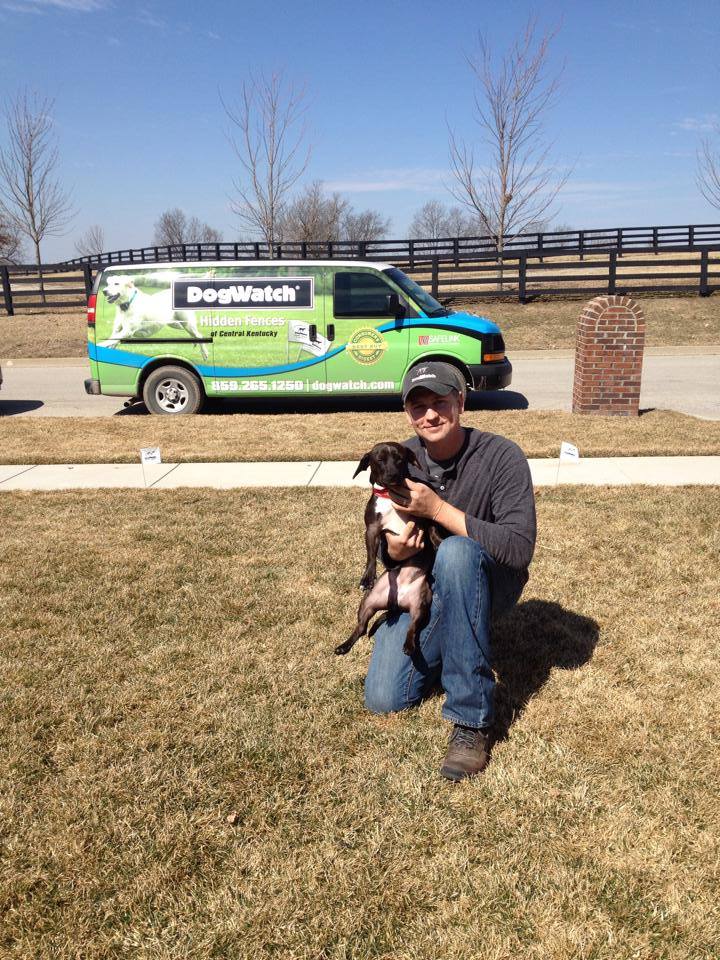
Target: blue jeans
point(469, 587)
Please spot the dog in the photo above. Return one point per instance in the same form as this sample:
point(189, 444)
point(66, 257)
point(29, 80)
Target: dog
point(406, 586)
point(141, 314)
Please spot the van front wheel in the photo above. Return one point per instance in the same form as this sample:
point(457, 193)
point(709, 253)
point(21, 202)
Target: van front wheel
point(172, 390)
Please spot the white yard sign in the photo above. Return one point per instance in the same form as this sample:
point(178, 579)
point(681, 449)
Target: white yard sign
point(150, 455)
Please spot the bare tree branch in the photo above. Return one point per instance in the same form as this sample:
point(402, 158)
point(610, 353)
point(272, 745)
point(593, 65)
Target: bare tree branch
point(268, 143)
point(173, 226)
point(517, 186)
point(708, 173)
point(91, 242)
point(32, 200)
point(11, 248)
point(314, 216)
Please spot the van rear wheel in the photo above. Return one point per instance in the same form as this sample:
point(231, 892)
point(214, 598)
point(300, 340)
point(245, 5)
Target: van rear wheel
point(172, 390)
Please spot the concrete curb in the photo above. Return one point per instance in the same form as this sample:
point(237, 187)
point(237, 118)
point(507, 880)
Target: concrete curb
point(597, 471)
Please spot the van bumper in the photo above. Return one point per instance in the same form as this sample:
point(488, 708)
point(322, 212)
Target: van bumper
point(491, 376)
point(93, 387)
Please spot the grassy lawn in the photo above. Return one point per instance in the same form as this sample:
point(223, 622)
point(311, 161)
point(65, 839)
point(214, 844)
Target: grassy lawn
point(189, 772)
point(541, 325)
point(336, 436)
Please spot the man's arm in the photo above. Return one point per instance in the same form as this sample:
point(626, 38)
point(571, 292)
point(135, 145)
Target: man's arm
point(424, 502)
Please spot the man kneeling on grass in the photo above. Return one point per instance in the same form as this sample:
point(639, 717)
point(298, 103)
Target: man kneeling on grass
point(477, 486)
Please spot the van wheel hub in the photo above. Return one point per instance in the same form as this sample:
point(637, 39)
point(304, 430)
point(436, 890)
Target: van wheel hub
point(172, 395)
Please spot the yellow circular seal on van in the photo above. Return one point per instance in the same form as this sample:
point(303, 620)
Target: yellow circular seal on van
point(366, 345)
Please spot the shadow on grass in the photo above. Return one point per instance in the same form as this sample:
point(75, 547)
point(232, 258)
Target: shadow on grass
point(489, 400)
point(531, 641)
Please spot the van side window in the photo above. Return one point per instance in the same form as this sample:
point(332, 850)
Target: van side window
point(360, 295)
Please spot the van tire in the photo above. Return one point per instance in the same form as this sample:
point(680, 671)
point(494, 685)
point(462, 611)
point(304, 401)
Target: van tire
point(172, 390)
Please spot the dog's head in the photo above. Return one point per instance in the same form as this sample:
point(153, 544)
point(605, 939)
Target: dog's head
point(119, 289)
point(388, 464)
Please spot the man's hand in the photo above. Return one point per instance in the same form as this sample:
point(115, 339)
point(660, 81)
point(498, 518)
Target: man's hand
point(423, 502)
point(403, 545)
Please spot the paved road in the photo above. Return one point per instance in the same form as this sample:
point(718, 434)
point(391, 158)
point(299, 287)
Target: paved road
point(687, 381)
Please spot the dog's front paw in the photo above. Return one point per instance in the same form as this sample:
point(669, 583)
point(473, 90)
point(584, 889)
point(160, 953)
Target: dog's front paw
point(343, 648)
point(367, 583)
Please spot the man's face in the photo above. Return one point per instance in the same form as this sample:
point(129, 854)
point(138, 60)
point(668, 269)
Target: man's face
point(434, 418)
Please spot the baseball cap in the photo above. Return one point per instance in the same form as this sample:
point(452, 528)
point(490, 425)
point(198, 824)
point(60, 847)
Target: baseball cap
point(439, 377)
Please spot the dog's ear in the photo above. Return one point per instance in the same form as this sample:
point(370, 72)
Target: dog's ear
point(363, 465)
point(411, 458)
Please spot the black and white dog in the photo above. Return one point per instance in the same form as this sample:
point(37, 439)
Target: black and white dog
point(405, 586)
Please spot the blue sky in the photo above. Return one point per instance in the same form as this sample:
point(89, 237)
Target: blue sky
point(140, 126)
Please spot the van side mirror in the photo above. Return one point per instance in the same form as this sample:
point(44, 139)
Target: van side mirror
point(394, 307)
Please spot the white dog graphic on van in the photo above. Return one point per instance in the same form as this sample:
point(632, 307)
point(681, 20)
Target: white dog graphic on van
point(139, 315)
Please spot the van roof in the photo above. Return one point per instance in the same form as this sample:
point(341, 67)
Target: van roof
point(180, 264)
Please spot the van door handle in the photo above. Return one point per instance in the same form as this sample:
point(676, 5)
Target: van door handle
point(312, 331)
point(330, 332)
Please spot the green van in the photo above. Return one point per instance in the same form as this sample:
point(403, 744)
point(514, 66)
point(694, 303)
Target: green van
point(175, 333)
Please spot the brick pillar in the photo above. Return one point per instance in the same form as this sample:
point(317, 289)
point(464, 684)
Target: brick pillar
point(608, 357)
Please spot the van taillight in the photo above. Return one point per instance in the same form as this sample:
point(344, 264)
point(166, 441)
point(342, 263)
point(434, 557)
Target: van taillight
point(91, 309)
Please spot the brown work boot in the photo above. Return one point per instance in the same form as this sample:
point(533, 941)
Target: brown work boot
point(468, 753)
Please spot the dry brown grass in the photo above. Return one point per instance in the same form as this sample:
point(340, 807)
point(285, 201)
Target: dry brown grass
point(335, 436)
point(167, 665)
point(541, 325)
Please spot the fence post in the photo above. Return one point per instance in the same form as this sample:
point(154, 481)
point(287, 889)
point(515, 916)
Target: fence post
point(619, 241)
point(7, 292)
point(330, 250)
point(303, 250)
point(704, 288)
point(691, 236)
point(362, 250)
point(612, 271)
point(411, 254)
point(257, 251)
point(88, 277)
point(540, 246)
point(522, 277)
point(655, 240)
point(456, 251)
point(435, 275)
point(581, 244)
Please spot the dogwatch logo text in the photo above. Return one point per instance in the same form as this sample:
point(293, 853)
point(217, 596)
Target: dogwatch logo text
point(197, 294)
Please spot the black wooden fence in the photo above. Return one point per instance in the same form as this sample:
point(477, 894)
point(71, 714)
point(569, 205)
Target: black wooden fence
point(677, 259)
point(413, 252)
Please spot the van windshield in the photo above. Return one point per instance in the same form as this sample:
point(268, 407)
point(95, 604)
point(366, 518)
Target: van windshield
point(423, 299)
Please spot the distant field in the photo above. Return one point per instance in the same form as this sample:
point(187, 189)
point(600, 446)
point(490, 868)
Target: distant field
point(541, 325)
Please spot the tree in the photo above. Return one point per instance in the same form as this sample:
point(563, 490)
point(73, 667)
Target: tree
point(32, 202)
point(364, 226)
point(11, 249)
point(313, 216)
point(269, 146)
point(516, 186)
point(434, 220)
point(707, 176)
point(174, 227)
point(92, 242)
